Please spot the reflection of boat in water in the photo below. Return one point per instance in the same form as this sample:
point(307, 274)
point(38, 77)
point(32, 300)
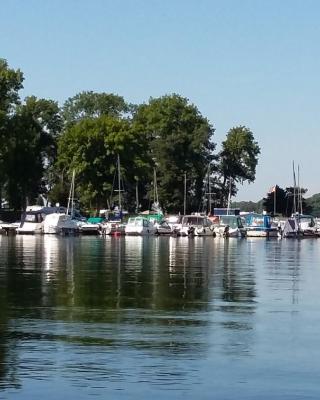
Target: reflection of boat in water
point(139, 226)
point(198, 225)
point(260, 225)
point(229, 226)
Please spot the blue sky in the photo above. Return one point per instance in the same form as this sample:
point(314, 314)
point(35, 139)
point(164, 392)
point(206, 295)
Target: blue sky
point(254, 63)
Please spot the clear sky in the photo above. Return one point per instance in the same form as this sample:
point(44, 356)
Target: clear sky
point(254, 63)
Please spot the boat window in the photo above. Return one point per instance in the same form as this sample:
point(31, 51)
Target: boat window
point(30, 218)
point(145, 223)
point(192, 220)
point(257, 221)
point(232, 221)
point(239, 223)
point(207, 222)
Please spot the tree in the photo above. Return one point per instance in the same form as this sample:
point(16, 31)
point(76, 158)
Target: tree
point(31, 139)
point(237, 160)
point(180, 141)
point(23, 164)
point(285, 201)
point(10, 83)
point(90, 147)
point(93, 105)
point(280, 195)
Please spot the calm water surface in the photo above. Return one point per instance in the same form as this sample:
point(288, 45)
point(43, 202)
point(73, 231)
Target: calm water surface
point(171, 318)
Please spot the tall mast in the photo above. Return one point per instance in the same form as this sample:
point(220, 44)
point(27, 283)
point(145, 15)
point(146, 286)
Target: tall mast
point(299, 192)
point(185, 194)
point(119, 182)
point(72, 199)
point(209, 189)
point(155, 188)
point(137, 197)
point(71, 194)
point(229, 196)
point(294, 190)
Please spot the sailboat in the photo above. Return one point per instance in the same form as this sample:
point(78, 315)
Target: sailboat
point(299, 225)
point(114, 224)
point(60, 222)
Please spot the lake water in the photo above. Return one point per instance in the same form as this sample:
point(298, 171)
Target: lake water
point(159, 318)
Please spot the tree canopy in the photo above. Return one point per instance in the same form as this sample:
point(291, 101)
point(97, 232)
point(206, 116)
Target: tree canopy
point(42, 143)
point(91, 148)
point(93, 105)
point(238, 160)
point(180, 141)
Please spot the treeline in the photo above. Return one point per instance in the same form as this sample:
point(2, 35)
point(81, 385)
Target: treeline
point(283, 202)
point(42, 143)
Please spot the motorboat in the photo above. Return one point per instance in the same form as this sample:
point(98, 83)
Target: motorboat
point(93, 226)
point(60, 223)
point(116, 228)
point(140, 226)
point(300, 226)
point(174, 222)
point(197, 225)
point(32, 219)
point(229, 226)
point(113, 225)
point(260, 225)
point(163, 228)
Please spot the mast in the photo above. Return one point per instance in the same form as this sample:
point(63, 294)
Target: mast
point(155, 188)
point(119, 182)
point(294, 190)
point(209, 189)
point(299, 192)
point(71, 195)
point(137, 197)
point(229, 196)
point(185, 194)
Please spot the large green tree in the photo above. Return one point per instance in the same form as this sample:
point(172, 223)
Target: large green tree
point(31, 138)
point(238, 160)
point(89, 104)
point(23, 162)
point(91, 147)
point(11, 81)
point(288, 201)
point(180, 141)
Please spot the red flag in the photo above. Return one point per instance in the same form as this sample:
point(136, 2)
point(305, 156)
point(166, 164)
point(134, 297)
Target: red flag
point(272, 189)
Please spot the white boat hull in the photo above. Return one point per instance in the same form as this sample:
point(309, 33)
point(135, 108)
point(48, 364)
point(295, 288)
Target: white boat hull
point(262, 233)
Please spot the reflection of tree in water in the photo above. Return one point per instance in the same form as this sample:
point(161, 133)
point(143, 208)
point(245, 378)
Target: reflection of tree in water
point(283, 262)
point(8, 356)
point(238, 274)
point(148, 296)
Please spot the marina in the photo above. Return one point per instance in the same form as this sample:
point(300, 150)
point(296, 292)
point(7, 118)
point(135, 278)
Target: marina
point(134, 317)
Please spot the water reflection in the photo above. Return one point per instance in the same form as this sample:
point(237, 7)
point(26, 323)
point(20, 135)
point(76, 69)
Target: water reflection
point(98, 312)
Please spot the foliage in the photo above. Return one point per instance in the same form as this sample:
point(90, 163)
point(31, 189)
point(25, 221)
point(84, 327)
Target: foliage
point(313, 205)
point(90, 147)
point(93, 105)
point(10, 84)
point(285, 201)
point(41, 145)
point(23, 164)
point(180, 141)
point(248, 206)
point(237, 160)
